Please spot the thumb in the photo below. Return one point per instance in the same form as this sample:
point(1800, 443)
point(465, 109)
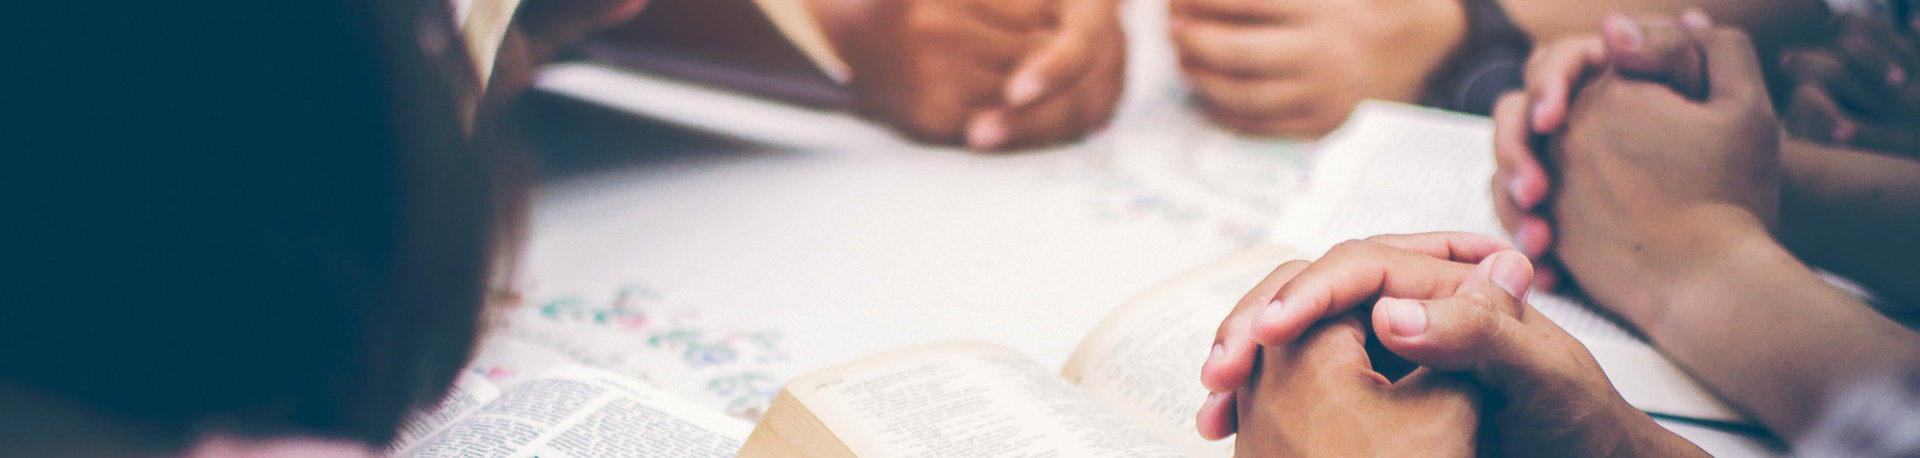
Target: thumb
point(1475, 330)
point(1657, 49)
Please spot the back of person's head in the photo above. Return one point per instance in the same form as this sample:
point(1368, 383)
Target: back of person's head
point(250, 217)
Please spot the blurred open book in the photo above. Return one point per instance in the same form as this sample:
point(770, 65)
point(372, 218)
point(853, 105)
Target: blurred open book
point(567, 411)
point(1128, 390)
point(768, 48)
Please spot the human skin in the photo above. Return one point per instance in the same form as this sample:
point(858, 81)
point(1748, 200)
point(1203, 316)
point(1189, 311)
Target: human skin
point(988, 74)
point(1298, 68)
point(1684, 246)
point(1853, 213)
point(1858, 88)
point(1453, 303)
point(1841, 208)
point(1322, 397)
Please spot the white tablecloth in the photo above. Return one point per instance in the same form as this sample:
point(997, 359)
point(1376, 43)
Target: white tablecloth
point(719, 276)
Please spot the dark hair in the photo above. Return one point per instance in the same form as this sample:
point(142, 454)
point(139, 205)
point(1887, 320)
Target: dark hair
point(256, 216)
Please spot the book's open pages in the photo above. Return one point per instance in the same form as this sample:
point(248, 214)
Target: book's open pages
point(1143, 361)
point(567, 411)
point(962, 399)
point(1396, 169)
point(1129, 389)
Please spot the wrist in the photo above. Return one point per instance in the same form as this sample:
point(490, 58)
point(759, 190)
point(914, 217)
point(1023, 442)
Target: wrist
point(1608, 426)
point(1430, 34)
point(1718, 242)
point(1648, 438)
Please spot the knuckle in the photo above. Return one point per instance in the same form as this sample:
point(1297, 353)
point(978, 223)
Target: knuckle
point(1480, 329)
point(1468, 328)
point(1476, 302)
point(1350, 247)
point(1293, 266)
point(1488, 305)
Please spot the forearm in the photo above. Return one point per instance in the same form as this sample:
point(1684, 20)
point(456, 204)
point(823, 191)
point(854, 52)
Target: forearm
point(1854, 213)
point(1651, 439)
point(1769, 21)
point(1762, 330)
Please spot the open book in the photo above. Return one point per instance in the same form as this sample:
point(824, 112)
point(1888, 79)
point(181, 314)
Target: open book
point(1130, 388)
point(567, 411)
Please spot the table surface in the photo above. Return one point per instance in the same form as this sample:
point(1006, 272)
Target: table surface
point(728, 244)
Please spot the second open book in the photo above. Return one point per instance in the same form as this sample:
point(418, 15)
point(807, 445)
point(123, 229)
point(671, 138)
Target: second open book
point(1130, 388)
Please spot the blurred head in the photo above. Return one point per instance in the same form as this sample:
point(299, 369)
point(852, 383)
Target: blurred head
point(249, 217)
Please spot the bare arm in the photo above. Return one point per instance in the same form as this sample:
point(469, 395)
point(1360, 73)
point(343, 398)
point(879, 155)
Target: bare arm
point(1855, 213)
point(1664, 211)
point(1769, 21)
point(1761, 329)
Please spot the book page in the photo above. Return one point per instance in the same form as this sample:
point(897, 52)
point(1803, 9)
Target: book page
point(1396, 169)
point(964, 399)
point(469, 393)
point(577, 411)
point(1143, 361)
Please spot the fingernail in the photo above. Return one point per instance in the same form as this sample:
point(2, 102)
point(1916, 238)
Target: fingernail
point(1273, 311)
point(1538, 118)
point(1628, 33)
point(1024, 89)
point(1524, 239)
point(1218, 352)
point(1896, 76)
point(1514, 187)
point(1510, 273)
point(1215, 399)
point(1405, 316)
point(986, 132)
point(1696, 19)
point(1546, 280)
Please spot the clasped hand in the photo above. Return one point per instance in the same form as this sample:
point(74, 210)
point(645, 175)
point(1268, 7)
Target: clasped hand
point(989, 74)
point(1452, 303)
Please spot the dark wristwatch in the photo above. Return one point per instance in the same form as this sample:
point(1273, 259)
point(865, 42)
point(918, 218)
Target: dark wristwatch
point(1489, 62)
